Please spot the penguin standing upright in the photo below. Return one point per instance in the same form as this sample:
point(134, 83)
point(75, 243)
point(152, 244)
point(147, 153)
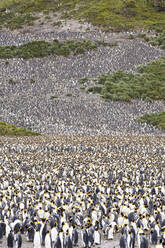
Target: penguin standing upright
point(163, 243)
point(30, 233)
point(70, 230)
point(1, 233)
point(57, 243)
point(3, 225)
point(154, 237)
point(90, 238)
point(17, 227)
point(84, 237)
point(110, 232)
point(97, 237)
point(37, 239)
point(10, 240)
point(123, 243)
point(160, 244)
point(8, 229)
point(43, 233)
point(145, 223)
point(133, 235)
point(143, 242)
point(18, 241)
point(157, 228)
point(68, 241)
point(54, 234)
point(61, 236)
point(47, 240)
point(129, 239)
point(74, 236)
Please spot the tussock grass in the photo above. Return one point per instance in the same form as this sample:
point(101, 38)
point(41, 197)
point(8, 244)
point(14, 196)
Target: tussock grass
point(110, 14)
point(147, 84)
point(84, 80)
point(15, 21)
point(157, 120)
point(11, 130)
point(43, 49)
point(157, 40)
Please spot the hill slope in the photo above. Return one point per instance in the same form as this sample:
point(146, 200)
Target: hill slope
point(110, 14)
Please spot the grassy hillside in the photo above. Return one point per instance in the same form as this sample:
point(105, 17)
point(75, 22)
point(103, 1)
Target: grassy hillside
point(11, 130)
point(147, 84)
point(110, 14)
point(43, 49)
point(157, 120)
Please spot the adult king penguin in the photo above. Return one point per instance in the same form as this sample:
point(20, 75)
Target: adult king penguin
point(37, 239)
point(10, 240)
point(74, 236)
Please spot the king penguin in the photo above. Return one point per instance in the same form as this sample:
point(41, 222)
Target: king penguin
point(30, 233)
point(74, 236)
point(97, 237)
point(10, 240)
point(57, 243)
point(1, 233)
point(133, 235)
point(160, 244)
point(143, 242)
point(90, 238)
point(47, 240)
point(123, 243)
point(154, 237)
point(37, 239)
point(18, 241)
point(68, 241)
point(110, 232)
point(54, 234)
point(85, 237)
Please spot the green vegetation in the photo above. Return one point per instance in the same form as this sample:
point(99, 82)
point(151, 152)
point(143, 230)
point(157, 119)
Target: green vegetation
point(105, 44)
point(14, 21)
point(84, 80)
point(32, 81)
point(11, 81)
point(43, 48)
point(53, 97)
point(159, 4)
point(11, 130)
point(82, 87)
point(58, 24)
point(6, 62)
point(147, 84)
point(131, 37)
point(95, 89)
point(141, 35)
point(157, 40)
point(47, 17)
point(157, 120)
point(69, 94)
point(110, 14)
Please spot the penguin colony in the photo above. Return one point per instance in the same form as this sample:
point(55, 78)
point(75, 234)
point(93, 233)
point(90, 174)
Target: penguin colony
point(82, 192)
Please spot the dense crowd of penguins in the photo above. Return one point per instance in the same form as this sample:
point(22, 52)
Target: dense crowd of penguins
point(81, 193)
point(45, 94)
